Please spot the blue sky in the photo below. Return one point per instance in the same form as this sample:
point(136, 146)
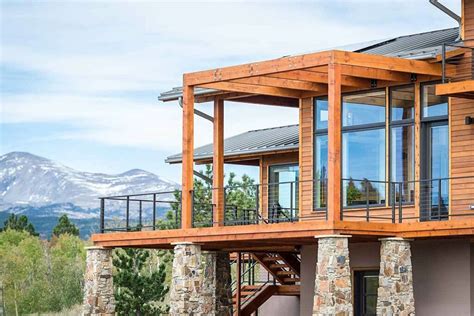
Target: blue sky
point(80, 79)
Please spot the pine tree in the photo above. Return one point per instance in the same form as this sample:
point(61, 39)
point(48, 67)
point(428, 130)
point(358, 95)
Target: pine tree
point(138, 291)
point(65, 226)
point(19, 223)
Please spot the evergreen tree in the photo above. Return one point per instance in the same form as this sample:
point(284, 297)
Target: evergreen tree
point(138, 290)
point(19, 223)
point(65, 226)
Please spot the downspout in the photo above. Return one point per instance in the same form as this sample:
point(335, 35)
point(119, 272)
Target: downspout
point(450, 13)
point(209, 118)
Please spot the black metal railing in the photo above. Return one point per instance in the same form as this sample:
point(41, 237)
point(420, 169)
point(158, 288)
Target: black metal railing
point(457, 62)
point(396, 201)
point(136, 212)
point(361, 200)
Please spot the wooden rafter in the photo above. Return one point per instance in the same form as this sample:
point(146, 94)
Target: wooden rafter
point(254, 89)
point(283, 83)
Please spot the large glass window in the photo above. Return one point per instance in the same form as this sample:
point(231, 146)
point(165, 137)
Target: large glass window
point(402, 162)
point(363, 108)
point(432, 104)
point(364, 167)
point(402, 144)
point(283, 191)
point(321, 114)
point(321, 171)
point(402, 103)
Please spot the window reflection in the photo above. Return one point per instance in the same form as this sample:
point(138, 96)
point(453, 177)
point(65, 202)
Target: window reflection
point(364, 167)
point(365, 108)
point(321, 113)
point(321, 171)
point(402, 161)
point(402, 103)
point(432, 104)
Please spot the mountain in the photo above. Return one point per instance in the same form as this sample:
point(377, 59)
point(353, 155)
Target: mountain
point(41, 188)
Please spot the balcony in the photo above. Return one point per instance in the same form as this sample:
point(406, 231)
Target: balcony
point(370, 208)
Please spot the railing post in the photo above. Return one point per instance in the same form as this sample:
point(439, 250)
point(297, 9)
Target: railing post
point(443, 63)
point(393, 193)
point(154, 211)
point(439, 199)
point(257, 202)
point(367, 204)
point(400, 202)
point(140, 215)
point(291, 201)
point(239, 282)
point(102, 214)
point(127, 215)
point(192, 209)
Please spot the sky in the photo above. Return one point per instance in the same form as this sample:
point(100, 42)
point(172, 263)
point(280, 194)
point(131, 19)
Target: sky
point(79, 80)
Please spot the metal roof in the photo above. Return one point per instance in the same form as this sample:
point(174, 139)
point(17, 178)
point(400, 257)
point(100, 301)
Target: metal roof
point(258, 141)
point(414, 46)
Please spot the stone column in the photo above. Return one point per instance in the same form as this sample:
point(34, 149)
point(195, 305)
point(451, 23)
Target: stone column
point(186, 283)
point(333, 287)
point(395, 293)
point(98, 288)
point(217, 291)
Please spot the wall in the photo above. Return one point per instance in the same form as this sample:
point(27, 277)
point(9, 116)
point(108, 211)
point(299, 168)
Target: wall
point(441, 276)
point(280, 305)
point(443, 273)
point(306, 157)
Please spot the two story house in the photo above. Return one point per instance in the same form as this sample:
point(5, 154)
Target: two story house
point(364, 207)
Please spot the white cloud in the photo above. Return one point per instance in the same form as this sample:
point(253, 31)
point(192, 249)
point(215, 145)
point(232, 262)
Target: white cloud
point(92, 57)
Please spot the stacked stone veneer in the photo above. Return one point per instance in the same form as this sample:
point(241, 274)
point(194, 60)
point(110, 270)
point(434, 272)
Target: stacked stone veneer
point(98, 288)
point(333, 288)
point(217, 291)
point(201, 283)
point(395, 293)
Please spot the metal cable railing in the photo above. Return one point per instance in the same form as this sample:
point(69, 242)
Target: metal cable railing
point(457, 62)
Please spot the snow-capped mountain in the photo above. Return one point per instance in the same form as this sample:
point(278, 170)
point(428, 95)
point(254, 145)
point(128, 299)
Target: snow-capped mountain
point(26, 179)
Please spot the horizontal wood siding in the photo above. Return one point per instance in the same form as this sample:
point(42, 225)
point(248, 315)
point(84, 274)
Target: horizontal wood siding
point(306, 157)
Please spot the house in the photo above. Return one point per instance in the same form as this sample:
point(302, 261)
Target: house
point(365, 207)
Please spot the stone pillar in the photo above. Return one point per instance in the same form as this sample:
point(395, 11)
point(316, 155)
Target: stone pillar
point(186, 283)
point(98, 287)
point(395, 293)
point(333, 286)
point(217, 291)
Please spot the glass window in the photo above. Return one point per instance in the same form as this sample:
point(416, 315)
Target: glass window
point(402, 161)
point(363, 108)
point(283, 191)
point(321, 171)
point(363, 167)
point(402, 101)
point(321, 107)
point(432, 104)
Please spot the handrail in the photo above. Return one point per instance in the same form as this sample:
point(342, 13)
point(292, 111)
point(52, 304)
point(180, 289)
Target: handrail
point(458, 60)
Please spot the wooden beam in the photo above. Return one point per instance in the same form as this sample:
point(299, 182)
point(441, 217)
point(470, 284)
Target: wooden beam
point(387, 63)
point(253, 89)
point(218, 163)
point(282, 83)
point(268, 100)
point(322, 77)
point(373, 73)
point(455, 87)
point(334, 143)
point(259, 68)
point(188, 153)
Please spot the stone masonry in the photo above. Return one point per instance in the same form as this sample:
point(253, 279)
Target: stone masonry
point(217, 291)
point(186, 283)
point(395, 293)
point(98, 288)
point(333, 288)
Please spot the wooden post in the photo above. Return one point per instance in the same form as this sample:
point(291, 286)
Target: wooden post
point(334, 142)
point(218, 163)
point(418, 184)
point(188, 156)
point(239, 284)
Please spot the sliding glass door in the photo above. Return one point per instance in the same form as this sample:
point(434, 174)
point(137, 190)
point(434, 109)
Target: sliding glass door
point(283, 192)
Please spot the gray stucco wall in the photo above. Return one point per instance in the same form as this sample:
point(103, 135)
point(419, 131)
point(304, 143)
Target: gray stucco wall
point(442, 277)
point(280, 305)
point(443, 273)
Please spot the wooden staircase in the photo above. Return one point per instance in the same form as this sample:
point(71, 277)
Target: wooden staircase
point(283, 267)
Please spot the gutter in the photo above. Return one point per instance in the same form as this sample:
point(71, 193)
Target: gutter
point(450, 13)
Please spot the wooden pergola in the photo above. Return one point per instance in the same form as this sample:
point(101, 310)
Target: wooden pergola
point(289, 81)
